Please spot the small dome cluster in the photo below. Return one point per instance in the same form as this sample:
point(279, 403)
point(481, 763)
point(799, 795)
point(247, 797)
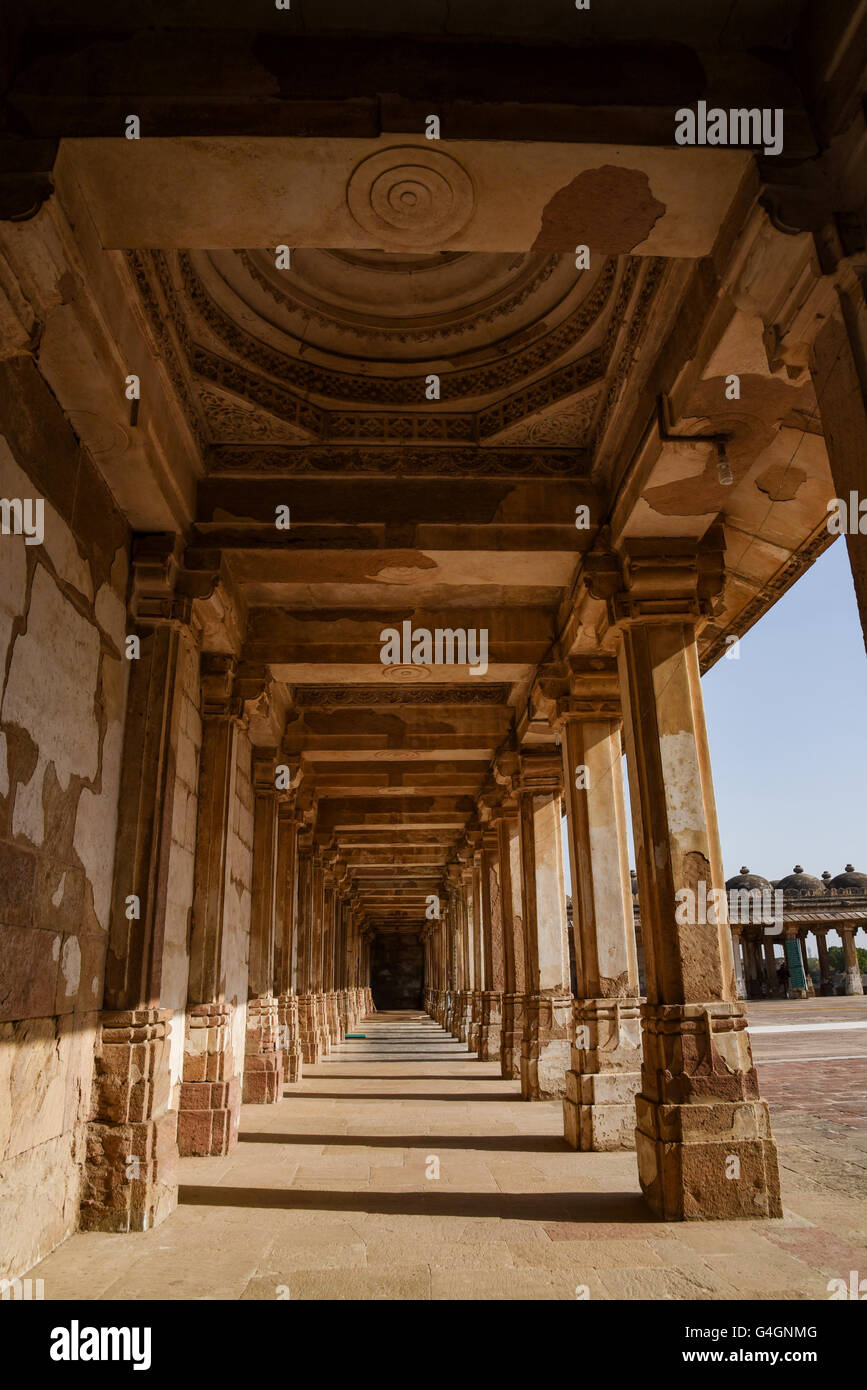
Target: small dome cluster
point(799, 884)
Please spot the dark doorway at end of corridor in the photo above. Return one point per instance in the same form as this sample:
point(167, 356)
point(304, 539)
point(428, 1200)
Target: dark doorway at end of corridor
point(397, 971)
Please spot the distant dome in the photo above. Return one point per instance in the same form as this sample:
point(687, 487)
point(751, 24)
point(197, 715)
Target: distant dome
point(850, 881)
point(747, 880)
point(799, 883)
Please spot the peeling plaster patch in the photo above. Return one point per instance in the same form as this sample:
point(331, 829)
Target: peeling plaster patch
point(4, 766)
point(781, 481)
point(110, 613)
point(60, 545)
point(28, 816)
point(70, 965)
point(57, 898)
point(55, 948)
point(52, 680)
point(611, 210)
point(94, 986)
point(399, 566)
point(92, 832)
point(682, 783)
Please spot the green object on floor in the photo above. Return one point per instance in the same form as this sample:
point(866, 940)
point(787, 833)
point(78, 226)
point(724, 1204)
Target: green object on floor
point(356, 1035)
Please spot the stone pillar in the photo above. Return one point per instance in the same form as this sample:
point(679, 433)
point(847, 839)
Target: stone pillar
point(308, 1032)
point(599, 1106)
point(545, 1039)
point(704, 1142)
point(263, 1059)
point(317, 950)
point(752, 965)
point(466, 875)
point(505, 820)
point(286, 941)
point(737, 945)
point(771, 975)
point(130, 1172)
point(210, 1095)
point(854, 983)
point(824, 963)
point(811, 989)
point(475, 913)
point(492, 951)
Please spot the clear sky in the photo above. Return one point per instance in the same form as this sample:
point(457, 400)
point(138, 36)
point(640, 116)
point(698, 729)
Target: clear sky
point(787, 723)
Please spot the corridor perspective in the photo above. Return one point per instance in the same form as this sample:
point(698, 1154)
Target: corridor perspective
point(403, 1168)
point(403, 407)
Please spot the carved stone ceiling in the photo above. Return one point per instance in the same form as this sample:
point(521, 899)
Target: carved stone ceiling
point(340, 346)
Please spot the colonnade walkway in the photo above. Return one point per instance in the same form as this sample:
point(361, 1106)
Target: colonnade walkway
point(403, 1168)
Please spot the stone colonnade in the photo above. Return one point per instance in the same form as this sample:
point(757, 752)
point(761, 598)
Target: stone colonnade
point(678, 1062)
point(269, 904)
point(757, 962)
point(273, 904)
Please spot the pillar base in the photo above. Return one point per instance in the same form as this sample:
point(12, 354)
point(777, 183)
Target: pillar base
point(545, 1046)
point(320, 1015)
point(332, 1014)
point(475, 1021)
point(309, 1037)
point(290, 1042)
point(599, 1105)
point(854, 983)
point(210, 1094)
point(130, 1180)
point(263, 1060)
point(703, 1139)
point(511, 1034)
point(491, 1026)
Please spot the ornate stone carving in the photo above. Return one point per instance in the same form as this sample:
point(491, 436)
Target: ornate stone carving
point(339, 696)
point(410, 196)
point(231, 421)
point(408, 332)
point(407, 462)
point(566, 427)
point(489, 379)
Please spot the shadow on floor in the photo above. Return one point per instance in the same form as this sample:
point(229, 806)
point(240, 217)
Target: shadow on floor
point(581, 1207)
point(511, 1143)
point(468, 1097)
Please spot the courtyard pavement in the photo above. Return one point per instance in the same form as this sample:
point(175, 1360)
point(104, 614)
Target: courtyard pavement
point(334, 1193)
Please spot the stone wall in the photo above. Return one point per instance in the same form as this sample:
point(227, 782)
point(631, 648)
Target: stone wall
point(63, 681)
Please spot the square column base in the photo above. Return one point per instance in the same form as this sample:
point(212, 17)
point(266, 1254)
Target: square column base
point(716, 1166)
point(208, 1118)
point(511, 1034)
point(545, 1046)
point(475, 1020)
point(263, 1060)
point(599, 1105)
point(490, 1027)
point(309, 1038)
point(210, 1093)
point(130, 1179)
point(703, 1138)
point(290, 1044)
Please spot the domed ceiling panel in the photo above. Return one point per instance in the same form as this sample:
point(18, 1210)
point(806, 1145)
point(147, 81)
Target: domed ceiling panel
point(339, 347)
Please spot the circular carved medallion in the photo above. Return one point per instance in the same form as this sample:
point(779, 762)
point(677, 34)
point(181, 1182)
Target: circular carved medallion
point(410, 196)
